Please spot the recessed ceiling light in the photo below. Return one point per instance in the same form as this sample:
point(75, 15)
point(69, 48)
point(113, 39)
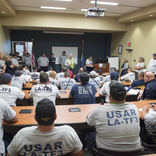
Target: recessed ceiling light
point(151, 15)
point(131, 20)
point(84, 9)
point(45, 7)
point(3, 12)
point(105, 3)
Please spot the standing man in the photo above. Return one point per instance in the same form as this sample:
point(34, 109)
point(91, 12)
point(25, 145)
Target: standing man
point(28, 61)
point(152, 64)
point(139, 66)
point(43, 62)
point(14, 62)
point(124, 67)
point(19, 58)
point(70, 62)
point(62, 59)
point(23, 57)
point(45, 138)
point(52, 61)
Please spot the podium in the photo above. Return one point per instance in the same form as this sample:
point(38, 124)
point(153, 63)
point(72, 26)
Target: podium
point(103, 66)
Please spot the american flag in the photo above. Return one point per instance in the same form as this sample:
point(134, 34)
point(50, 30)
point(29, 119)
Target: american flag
point(33, 58)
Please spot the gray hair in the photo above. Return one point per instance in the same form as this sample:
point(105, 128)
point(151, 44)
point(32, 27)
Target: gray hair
point(141, 73)
point(141, 59)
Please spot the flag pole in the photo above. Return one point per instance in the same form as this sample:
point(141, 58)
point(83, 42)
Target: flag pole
point(82, 58)
point(32, 40)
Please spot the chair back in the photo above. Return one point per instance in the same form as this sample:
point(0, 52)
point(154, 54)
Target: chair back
point(119, 152)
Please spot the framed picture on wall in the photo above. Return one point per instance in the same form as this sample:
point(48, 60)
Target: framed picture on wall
point(120, 49)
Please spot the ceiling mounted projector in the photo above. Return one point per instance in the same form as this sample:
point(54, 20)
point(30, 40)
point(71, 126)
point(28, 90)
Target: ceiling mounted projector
point(95, 12)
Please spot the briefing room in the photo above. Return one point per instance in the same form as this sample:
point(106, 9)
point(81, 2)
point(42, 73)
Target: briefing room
point(77, 77)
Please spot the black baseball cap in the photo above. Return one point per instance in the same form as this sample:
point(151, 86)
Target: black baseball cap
point(45, 112)
point(117, 90)
point(84, 77)
point(35, 67)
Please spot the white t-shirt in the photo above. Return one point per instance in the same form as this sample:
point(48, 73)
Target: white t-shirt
point(10, 94)
point(14, 61)
point(53, 81)
point(117, 126)
point(26, 72)
point(59, 141)
point(150, 121)
point(41, 91)
point(60, 75)
point(1, 64)
point(95, 81)
point(106, 79)
point(28, 60)
point(24, 77)
point(104, 91)
point(152, 65)
point(130, 76)
point(140, 65)
point(88, 62)
point(66, 83)
point(18, 82)
point(6, 113)
point(43, 61)
point(48, 72)
point(101, 78)
point(35, 75)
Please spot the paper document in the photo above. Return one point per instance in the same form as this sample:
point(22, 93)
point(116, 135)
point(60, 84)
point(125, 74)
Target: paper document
point(100, 64)
point(134, 92)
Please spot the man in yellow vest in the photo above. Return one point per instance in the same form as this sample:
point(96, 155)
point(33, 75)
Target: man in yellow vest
point(70, 62)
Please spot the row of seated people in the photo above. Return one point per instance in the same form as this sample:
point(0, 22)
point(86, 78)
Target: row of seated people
point(83, 93)
point(117, 126)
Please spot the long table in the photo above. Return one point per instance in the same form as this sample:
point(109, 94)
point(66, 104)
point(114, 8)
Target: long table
point(63, 115)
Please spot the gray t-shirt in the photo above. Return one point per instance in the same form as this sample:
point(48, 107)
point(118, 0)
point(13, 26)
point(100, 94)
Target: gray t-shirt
point(6, 113)
point(28, 60)
point(1, 64)
point(14, 61)
point(59, 141)
point(95, 81)
point(66, 83)
point(43, 61)
point(53, 81)
point(18, 82)
point(62, 59)
point(117, 125)
point(35, 75)
point(150, 121)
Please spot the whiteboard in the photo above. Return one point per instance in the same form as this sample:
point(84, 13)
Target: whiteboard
point(69, 50)
point(113, 62)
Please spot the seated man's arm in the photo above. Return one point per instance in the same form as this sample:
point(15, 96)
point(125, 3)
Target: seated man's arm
point(144, 112)
point(15, 119)
point(78, 154)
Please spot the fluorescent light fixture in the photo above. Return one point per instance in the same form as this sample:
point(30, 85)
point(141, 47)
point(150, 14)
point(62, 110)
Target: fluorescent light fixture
point(59, 8)
point(64, 0)
point(105, 3)
point(61, 32)
point(84, 9)
point(151, 15)
point(132, 20)
point(3, 12)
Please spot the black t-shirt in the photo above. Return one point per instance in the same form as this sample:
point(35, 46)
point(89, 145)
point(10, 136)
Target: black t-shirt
point(8, 64)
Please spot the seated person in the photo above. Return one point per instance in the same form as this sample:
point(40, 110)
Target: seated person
point(66, 83)
point(71, 73)
point(50, 69)
point(44, 90)
point(25, 69)
point(149, 92)
point(9, 93)
point(45, 138)
point(52, 78)
point(20, 68)
point(104, 91)
point(100, 76)
point(8, 114)
point(94, 79)
point(35, 75)
point(61, 74)
point(140, 82)
point(117, 125)
point(130, 76)
point(148, 124)
point(97, 73)
point(17, 80)
point(77, 79)
point(83, 93)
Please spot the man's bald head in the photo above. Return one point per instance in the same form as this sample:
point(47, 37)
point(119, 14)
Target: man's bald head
point(70, 56)
point(149, 76)
point(81, 70)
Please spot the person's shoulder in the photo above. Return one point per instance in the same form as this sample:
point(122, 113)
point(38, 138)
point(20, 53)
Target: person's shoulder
point(26, 130)
point(65, 129)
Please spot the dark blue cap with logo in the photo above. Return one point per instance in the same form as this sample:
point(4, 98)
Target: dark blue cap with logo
point(114, 76)
point(6, 76)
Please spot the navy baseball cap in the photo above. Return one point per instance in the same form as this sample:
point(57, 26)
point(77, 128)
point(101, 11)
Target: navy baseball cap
point(84, 77)
point(154, 54)
point(114, 76)
point(50, 68)
point(113, 68)
point(25, 65)
point(117, 90)
point(35, 67)
point(45, 112)
point(6, 76)
point(100, 71)
point(18, 73)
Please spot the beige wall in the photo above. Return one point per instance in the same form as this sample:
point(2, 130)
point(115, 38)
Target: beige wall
point(5, 42)
point(142, 36)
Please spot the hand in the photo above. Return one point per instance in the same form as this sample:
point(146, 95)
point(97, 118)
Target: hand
point(145, 109)
point(28, 80)
point(153, 106)
point(69, 65)
point(139, 97)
